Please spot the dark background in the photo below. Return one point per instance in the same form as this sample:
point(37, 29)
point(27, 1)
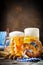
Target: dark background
point(19, 14)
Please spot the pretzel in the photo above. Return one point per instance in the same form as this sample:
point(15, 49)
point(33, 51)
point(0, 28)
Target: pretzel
point(33, 50)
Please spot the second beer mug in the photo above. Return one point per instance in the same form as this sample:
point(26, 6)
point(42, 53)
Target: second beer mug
point(16, 42)
point(31, 34)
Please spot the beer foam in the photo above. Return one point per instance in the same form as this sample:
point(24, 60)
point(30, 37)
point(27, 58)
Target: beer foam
point(31, 32)
point(16, 33)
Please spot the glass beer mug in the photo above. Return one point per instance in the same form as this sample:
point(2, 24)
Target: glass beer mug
point(16, 42)
point(31, 34)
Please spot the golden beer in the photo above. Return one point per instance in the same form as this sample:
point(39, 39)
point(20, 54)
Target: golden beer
point(30, 34)
point(16, 42)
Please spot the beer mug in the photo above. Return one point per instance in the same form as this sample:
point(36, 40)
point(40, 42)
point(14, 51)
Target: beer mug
point(31, 34)
point(16, 42)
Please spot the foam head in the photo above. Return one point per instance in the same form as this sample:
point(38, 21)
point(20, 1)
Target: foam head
point(31, 32)
point(16, 33)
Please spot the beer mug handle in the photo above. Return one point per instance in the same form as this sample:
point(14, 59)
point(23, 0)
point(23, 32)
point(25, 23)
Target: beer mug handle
point(7, 37)
point(6, 42)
